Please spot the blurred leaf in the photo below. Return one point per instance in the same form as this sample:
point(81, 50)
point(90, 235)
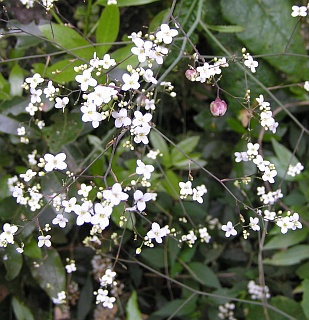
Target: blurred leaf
point(158, 20)
point(127, 3)
point(21, 311)
point(66, 38)
point(133, 312)
point(282, 241)
point(187, 145)
point(305, 300)
point(171, 183)
point(8, 125)
point(303, 271)
point(16, 79)
point(272, 23)
point(290, 256)
point(204, 275)
point(4, 88)
point(32, 250)
point(13, 262)
point(177, 307)
point(153, 256)
point(107, 30)
point(119, 211)
point(49, 272)
point(85, 299)
point(66, 128)
point(226, 29)
point(158, 143)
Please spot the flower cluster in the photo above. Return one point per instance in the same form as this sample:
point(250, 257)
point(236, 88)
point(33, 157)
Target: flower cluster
point(294, 170)
point(48, 4)
point(266, 117)
point(227, 311)
point(265, 167)
point(7, 236)
point(248, 61)
point(102, 295)
point(196, 193)
point(258, 292)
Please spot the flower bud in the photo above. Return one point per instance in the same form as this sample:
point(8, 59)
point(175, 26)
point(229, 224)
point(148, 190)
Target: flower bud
point(191, 74)
point(218, 107)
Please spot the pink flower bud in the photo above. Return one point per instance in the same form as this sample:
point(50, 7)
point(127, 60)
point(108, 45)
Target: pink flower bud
point(218, 107)
point(191, 74)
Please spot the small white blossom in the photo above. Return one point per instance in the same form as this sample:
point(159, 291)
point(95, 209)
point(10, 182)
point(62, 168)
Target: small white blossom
point(254, 224)
point(229, 229)
point(60, 220)
point(115, 195)
point(61, 103)
point(121, 118)
point(166, 34)
point(55, 162)
point(44, 241)
point(130, 81)
point(34, 80)
point(299, 11)
point(144, 169)
point(157, 232)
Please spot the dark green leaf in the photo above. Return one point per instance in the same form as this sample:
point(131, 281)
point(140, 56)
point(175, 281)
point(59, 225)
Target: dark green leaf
point(107, 30)
point(85, 300)
point(21, 311)
point(127, 3)
point(204, 275)
point(158, 143)
point(13, 263)
point(268, 30)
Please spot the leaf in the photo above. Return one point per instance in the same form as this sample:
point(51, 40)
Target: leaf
point(187, 145)
point(49, 272)
point(107, 30)
point(85, 299)
point(21, 311)
point(66, 38)
point(13, 263)
point(32, 250)
point(154, 256)
point(66, 129)
point(226, 29)
point(290, 256)
point(177, 307)
point(268, 29)
point(158, 143)
point(16, 79)
point(305, 300)
point(8, 125)
point(133, 312)
point(281, 241)
point(127, 3)
point(119, 211)
point(204, 275)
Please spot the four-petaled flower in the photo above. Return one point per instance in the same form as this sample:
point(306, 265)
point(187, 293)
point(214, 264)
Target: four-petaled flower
point(115, 195)
point(157, 232)
point(229, 229)
point(55, 162)
point(166, 34)
point(130, 81)
point(44, 241)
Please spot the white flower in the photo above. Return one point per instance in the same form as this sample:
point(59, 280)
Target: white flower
point(8, 233)
point(115, 195)
point(144, 169)
point(185, 188)
point(157, 232)
point(107, 278)
point(140, 199)
point(142, 49)
point(260, 162)
point(149, 104)
point(299, 11)
point(198, 192)
point(34, 80)
point(241, 156)
point(84, 190)
point(50, 90)
point(148, 76)
point(130, 81)
point(35, 95)
point(44, 241)
point(61, 103)
point(121, 117)
point(83, 213)
point(269, 215)
point(102, 94)
point(166, 34)
point(254, 224)
point(55, 162)
point(86, 80)
point(264, 105)
point(69, 205)
point(260, 190)
point(71, 267)
point(31, 109)
point(205, 72)
point(141, 119)
point(250, 63)
point(28, 175)
point(269, 175)
point(101, 215)
point(107, 62)
point(90, 114)
point(141, 134)
point(60, 220)
point(252, 149)
point(306, 85)
point(204, 235)
point(285, 224)
point(229, 229)
point(295, 221)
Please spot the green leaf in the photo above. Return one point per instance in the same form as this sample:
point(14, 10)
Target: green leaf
point(8, 125)
point(305, 300)
point(85, 299)
point(226, 29)
point(282, 241)
point(107, 30)
point(268, 29)
point(204, 275)
point(154, 256)
point(290, 256)
point(66, 38)
point(177, 307)
point(187, 145)
point(16, 79)
point(21, 311)
point(13, 263)
point(66, 129)
point(170, 183)
point(49, 272)
point(133, 312)
point(119, 211)
point(32, 250)
point(158, 143)
point(127, 3)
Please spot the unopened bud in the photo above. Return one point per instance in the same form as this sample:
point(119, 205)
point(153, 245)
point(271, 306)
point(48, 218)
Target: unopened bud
point(218, 107)
point(191, 74)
